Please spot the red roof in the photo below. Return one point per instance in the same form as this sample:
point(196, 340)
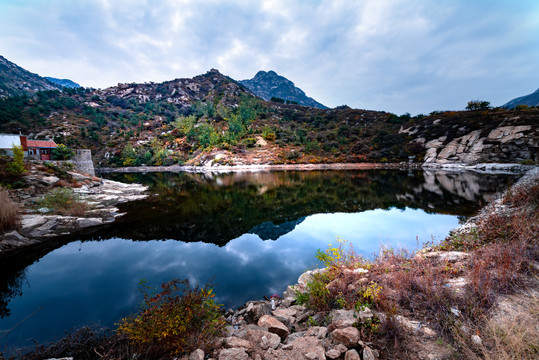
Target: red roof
point(40, 144)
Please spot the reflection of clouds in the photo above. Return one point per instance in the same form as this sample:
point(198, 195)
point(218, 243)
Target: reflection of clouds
point(85, 282)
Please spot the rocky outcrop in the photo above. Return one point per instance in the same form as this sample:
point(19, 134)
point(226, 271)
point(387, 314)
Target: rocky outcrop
point(503, 144)
point(101, 196)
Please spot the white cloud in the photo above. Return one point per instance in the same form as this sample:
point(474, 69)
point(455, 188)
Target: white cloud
point(396, 55)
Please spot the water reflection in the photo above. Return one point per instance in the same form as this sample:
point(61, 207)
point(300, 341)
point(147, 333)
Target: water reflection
point(218, 208)
point(224, 223)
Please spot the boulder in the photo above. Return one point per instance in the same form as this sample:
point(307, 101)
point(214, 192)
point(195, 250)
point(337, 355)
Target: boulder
point(352, 354)
point(274, 326)
point(318, 331)
point(233, 354)
point(348, 336)
point(236, 342)
point(262, 339)
point(198, 354)
point(368, 354)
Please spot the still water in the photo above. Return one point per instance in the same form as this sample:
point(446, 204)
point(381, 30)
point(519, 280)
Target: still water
point(249, 234)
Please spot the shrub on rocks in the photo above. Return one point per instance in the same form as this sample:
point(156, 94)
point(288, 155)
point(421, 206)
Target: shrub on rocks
point(178, 320)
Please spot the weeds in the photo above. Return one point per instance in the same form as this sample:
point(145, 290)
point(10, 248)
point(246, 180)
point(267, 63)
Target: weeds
point(9, 213)
point(64, 201)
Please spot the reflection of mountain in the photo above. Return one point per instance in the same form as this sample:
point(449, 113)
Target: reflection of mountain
point(268, 230)
point(216, 209)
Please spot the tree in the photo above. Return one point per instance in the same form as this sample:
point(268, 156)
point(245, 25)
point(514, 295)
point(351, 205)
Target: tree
point(62, 152)
point(478, 105)
point(16, 166)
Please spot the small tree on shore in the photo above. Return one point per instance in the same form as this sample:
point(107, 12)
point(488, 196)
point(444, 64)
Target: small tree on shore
point(16, 166)
point(62, 152)
point(478, 105)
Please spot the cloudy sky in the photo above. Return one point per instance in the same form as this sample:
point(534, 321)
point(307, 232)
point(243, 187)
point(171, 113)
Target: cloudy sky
point(395, 55)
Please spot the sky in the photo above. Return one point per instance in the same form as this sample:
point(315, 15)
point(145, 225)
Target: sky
point(400, 56)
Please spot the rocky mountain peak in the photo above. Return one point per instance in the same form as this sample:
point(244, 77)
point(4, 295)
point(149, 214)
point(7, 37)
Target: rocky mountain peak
point(269, 84)
point(529, 100)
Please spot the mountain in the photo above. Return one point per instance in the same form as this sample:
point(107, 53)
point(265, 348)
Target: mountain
point(63, 82)
point(15, 80)
point(212, 87)
point(530, 100)
point(267, 85)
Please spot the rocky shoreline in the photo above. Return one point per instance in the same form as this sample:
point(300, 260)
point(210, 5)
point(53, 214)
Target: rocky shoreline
point(281, 329)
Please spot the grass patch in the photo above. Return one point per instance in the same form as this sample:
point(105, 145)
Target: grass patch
point(63, 201)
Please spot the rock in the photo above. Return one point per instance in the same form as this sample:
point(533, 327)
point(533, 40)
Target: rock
point(368, 354)
point(294, 336)
point(290, 292)
point(198, 354)
point(477, 340)
point(44, 210)
point(274, 325)
point(89, 222)
point(318, 331)
point(236, 342)
point(49, 180)
point(233, 354)
point(14, 236)
point(348, 336)
point(333, 354)
point(310, 347)
point(353, 355)
point(288, 301)
point(262, 339)
point(255, 311)
point(286, 316)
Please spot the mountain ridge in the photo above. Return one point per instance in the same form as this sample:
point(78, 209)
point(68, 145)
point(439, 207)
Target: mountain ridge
point(529, 100)
point(16, 81)
point(67, 83)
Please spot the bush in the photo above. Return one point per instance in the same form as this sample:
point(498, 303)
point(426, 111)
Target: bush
point(178, 320)
point(9, 213)
point(478, 105)
point(62, 152)
point(16, 167)
point(64, 201)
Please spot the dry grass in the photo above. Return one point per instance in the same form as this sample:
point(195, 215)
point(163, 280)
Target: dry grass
point(9, 213)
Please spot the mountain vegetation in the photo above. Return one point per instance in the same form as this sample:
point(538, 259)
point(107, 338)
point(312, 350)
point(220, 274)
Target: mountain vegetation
point(213, 119)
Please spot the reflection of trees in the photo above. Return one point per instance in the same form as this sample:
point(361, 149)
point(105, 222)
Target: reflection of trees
point(10, 286)
point(218, 208)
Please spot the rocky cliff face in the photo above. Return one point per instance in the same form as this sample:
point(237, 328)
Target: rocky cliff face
point(477, 137)
point(269, 84)
point(14, 80)
point(503, 144)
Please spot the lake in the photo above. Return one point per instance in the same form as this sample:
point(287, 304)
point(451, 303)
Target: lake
point(249, 234)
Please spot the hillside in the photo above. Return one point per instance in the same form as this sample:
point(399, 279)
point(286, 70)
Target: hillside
point(63, 82)
point(528, 100)
point(15, 80)
point(211, 119)
point(268, 85)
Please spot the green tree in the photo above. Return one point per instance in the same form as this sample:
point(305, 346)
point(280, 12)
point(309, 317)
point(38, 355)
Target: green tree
point(478, 105)
point(16, 166)
point(62, 152)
